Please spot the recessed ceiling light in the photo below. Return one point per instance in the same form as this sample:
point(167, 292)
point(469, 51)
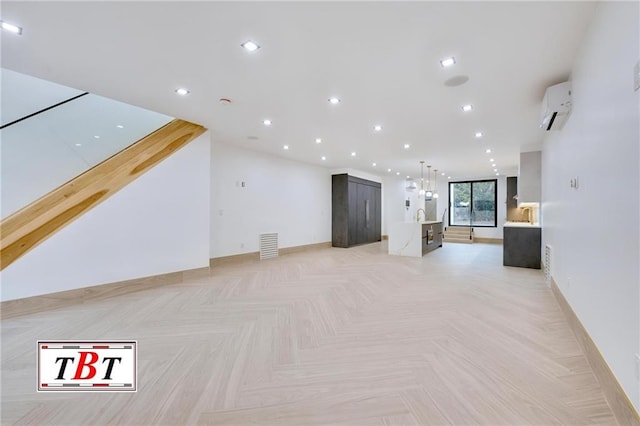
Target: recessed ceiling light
point(377, 127)
point(493, 165)
point(78, 144)
point(389, 170)
point(398, 173)
point(442, 174)
point(478, 134)
point(408, 177)
point(497, 174)
point(495, 170)
point(488, 150)
point(447, 62)
point(120, 126)
point(11, 28)
point(334, 101)
point(407, 146)
point(491, 160)
point(182, 91)
point(250, 46)
point(96, 137)
point(467, 108)
point(266, 122)
point(318, 140)
point(373, 164)
point(286, 147)
point(323, 158)
point(353, 154)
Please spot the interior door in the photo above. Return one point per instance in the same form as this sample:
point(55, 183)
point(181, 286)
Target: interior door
point(378, 214)
point(353, 213)
point(362, 213)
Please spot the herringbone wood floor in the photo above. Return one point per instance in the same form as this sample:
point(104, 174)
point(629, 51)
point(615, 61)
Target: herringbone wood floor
point(333, 336)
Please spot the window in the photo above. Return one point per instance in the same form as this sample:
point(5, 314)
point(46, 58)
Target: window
point(473, 203)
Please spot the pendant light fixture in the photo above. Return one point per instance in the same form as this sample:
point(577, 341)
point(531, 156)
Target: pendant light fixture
point(428, 195)
point(435, 183)
point(421, 177)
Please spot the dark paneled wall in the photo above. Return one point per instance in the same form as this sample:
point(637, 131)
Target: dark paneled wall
point(356, 216)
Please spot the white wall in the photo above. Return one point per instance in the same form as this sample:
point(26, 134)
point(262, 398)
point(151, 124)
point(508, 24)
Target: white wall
point(594, 230)
point(283, 196)
point(157, 224)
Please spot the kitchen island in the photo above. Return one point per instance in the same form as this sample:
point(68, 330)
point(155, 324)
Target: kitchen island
point(414, 239)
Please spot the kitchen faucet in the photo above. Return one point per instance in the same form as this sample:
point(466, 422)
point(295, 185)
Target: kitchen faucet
point(424, 214)
point(528, 209)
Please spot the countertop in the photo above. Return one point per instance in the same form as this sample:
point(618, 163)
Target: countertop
point(522, 225)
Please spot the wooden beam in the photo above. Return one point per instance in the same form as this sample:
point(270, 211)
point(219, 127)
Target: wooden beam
point(36, 222)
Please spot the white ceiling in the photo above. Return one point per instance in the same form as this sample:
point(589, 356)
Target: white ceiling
point(380, 58)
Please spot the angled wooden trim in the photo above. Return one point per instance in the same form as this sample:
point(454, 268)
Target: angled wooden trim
point(36, 222)
point(63, 299)
point(303, 248)
point(255, 256)
point(618, 400)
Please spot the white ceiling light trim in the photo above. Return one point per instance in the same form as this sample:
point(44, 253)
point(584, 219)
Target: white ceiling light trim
point(11, 28)
point(467, 107)
point(334, 100)
point(447, 62)
point(250, 46)
point(267, 122)
point(182, 91)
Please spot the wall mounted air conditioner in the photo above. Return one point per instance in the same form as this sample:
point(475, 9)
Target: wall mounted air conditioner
point(556, 106)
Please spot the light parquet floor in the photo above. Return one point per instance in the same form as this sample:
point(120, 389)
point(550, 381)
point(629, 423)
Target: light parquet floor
point(333, 336)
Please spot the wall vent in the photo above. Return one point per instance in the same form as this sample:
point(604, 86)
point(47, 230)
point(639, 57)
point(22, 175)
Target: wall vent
point(547, 265)
point(268, 245)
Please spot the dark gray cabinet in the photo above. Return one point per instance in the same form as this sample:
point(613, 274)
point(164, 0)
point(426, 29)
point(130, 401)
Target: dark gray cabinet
point(356, 211)
point(521, 246)
point(431, 237)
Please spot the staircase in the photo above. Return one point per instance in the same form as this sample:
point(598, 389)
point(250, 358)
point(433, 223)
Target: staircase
point(458, 234)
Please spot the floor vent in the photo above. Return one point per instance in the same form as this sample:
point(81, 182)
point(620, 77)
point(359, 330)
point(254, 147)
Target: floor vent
point(547, 264)
point(268, 246)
